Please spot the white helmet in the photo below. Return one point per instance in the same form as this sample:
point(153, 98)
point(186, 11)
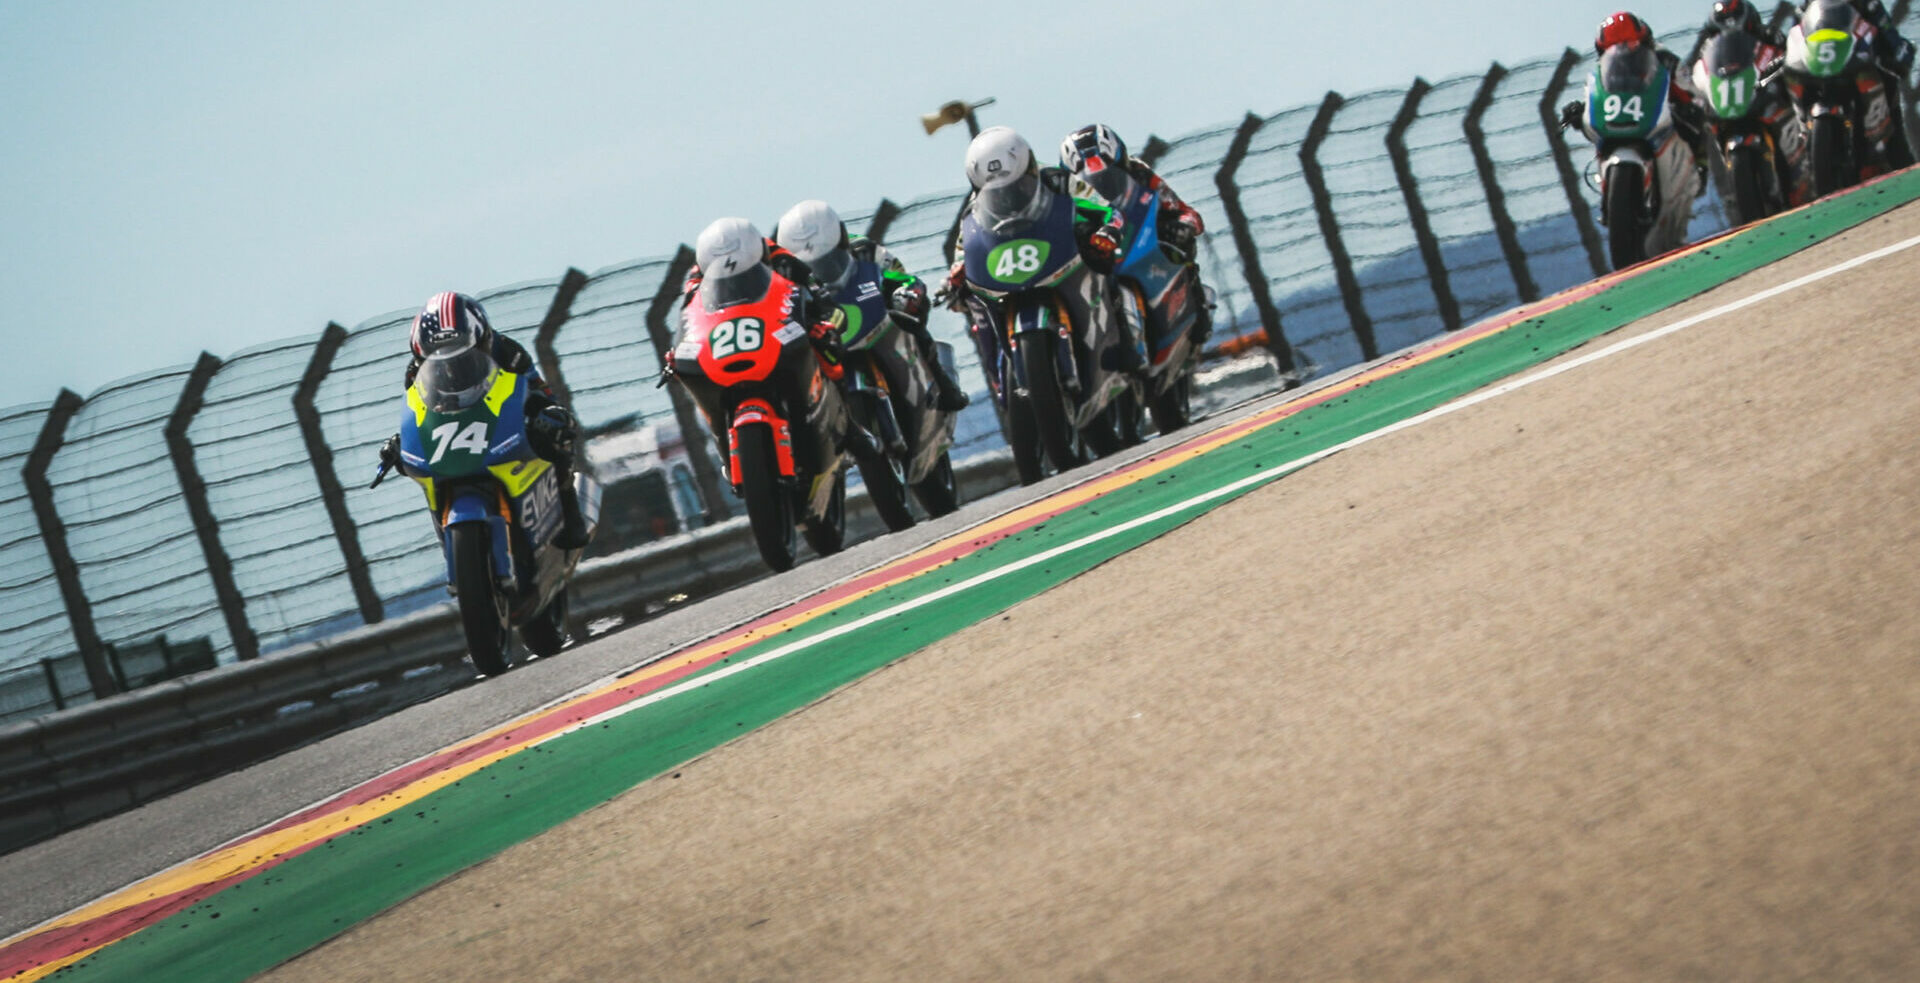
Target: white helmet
point(733, 263)
point(729, 246)
point(810, 230)
point(814, 233)
point(996, 156)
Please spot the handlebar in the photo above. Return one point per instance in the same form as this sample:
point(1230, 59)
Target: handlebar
point(380, 474)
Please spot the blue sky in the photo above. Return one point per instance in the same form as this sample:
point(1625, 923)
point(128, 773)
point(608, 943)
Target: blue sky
point(212, 176)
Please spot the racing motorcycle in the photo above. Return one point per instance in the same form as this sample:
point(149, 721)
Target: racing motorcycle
point(1760, 135)
point(748, 364)
point(495, 503)
point(1647, 177)
point(1844, 97)
point(891, 389)
point(1042, 320)
point(1161, 297)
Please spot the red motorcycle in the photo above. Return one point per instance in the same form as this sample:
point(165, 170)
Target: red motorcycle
point(745, 358)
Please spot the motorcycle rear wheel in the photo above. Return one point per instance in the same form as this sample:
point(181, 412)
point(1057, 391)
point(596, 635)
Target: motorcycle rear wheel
point(1748, 199)
point(769, 504)
point(1626, 233)
point(1045, 402)
point(546, 634)
point(483, 612)
point(1173, 407)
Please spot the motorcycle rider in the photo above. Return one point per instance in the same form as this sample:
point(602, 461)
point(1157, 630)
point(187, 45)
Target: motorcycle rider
point(744, 259)
point(812, 232)
point(1008, 185)
point(454, 324)
point(1741, 15)
point(1096, 156)
point(1893, 56)
point(1689, 120)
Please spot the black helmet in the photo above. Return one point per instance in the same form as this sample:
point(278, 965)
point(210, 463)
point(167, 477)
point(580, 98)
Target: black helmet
point(1736, 15)
point(448, 324)
point(1098, 156)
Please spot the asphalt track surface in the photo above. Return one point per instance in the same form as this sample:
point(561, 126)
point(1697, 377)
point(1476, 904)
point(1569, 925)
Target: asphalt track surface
point(112, 853)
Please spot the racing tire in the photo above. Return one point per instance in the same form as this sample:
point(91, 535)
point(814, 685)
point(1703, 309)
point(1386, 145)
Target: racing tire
point(827, 534)
point(1626, 228)
point(1045, 402)
point(1102, 437)
point(1023, 436)
point(1832, 171)
point(546, 634)
point(1172, 407)
point(769, 504)
point(887, 490)
point(1749, 201)
point(939, 492)
point(483, 612)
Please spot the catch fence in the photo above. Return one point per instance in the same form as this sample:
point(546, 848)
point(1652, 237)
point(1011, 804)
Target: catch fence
point(226, 501)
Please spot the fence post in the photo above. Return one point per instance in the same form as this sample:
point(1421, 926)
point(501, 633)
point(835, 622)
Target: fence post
point(557, 314)
point(1490, 184)
point(1243, 241)
point(1780, 14)
point(1563, 160)
point(233, 606)
point(1155, 149)
point(345, 532)
point(1330, 225)
point(952, 241)
point(882, 219)
point(1417, 209)
point(693, 432)
point(53, 534)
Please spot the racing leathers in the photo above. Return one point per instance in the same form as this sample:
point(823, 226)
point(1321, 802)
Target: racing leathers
point(907, 303)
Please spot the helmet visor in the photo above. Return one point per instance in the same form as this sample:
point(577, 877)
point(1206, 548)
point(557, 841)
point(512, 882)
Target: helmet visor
point(834, 268)
point(1628, 68)
point(744, 287)
point(1108, 179)
point(1020, 200)
point(455, 381)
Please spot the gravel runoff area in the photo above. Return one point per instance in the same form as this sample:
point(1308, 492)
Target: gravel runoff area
point(1611, 678)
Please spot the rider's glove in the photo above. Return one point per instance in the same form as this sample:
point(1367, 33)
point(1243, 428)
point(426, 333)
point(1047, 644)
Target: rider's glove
point(1902, 57)
point(1570, 115)
point(909, 302)
point(390, 452)
point(1105, 245)
point(550, 431)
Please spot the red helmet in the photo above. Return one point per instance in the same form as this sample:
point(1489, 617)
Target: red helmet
point(1619, 28)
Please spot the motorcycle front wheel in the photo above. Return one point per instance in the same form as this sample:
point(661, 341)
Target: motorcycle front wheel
point(769, 505)
point(1832, 148)
point(939, 493)
point(483, 612)
point(1748, 198)
point(1626, 233)
point(1045, 403)
point(828, 533)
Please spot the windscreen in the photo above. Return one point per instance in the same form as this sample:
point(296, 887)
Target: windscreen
point(744, 287)
point(1014, 202)
point(1628, 68)
point(1730, 53)
point(834, 268)
point(1109, 181)
point(1827, 15)
point(453, 382)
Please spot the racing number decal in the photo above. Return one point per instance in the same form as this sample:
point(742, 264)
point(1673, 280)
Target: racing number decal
point(1615, 107)
point(736, 337)
point(1017, 261)
point(451, 437)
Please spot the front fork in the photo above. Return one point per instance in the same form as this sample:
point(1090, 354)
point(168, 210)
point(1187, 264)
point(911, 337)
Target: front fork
point(759, 412)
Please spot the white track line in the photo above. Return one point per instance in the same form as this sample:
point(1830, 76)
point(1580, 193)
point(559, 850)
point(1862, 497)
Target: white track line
point(1250, 481)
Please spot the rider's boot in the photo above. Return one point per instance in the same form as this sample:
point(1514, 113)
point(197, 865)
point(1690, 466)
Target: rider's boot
point(948, 397)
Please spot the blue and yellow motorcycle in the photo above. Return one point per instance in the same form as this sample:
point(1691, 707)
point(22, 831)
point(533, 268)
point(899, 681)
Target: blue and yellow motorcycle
point(495, 504)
